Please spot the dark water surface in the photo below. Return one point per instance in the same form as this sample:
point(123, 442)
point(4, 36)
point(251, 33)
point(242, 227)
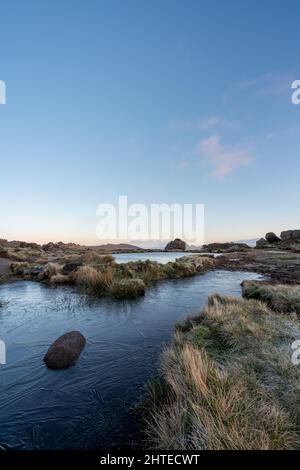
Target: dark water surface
point(87, 406)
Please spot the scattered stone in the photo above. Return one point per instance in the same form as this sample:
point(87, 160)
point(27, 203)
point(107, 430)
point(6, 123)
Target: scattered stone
point(70, 267)
point(65, 350)
point(34, 272)
point(18, 268)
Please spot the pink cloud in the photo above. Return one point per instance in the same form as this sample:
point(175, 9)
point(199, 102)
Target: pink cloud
point(223, 159)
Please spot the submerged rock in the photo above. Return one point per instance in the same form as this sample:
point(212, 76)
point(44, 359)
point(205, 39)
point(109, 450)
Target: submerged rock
point(65, 350)
point(176, 245)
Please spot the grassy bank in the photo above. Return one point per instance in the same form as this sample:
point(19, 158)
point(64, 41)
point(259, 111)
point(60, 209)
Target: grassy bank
point(228, 381)
point(280, 297)
point(130, 280)
point(99, 275)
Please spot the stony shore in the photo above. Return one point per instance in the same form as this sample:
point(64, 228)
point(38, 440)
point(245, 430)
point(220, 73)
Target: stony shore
point(281, 267)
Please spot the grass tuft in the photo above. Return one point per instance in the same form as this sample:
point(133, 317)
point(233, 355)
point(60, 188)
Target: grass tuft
point(280, 297)
point(95, 281)
point(60, 279)
point(128, 289)
point(229, 382)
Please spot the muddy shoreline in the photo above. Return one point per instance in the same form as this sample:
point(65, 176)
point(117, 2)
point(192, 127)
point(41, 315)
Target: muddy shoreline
point(283, 267)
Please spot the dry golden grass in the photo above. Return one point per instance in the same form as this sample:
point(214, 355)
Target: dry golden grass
point(151, 271)
point(16, 256)
point(60, 279)
point(128, 289)
point(105, 281)
point(280, 297)
point(52, 269)
point(95, 281)
point(96, 258)
point(99, 274)
point(228, 382)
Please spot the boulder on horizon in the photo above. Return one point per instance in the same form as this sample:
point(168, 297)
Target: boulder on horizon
point(271, 237)
point(290, 235)
point(227, 247)
point(176, 245)
point(261, 243)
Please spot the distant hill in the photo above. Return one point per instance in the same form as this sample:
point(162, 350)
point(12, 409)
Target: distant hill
point(250, 242)
point(117, 246)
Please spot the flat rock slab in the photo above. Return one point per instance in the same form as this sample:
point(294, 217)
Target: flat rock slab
point(65, 350)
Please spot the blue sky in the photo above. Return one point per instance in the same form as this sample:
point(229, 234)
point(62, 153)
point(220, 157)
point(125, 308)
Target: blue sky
point(163, 101)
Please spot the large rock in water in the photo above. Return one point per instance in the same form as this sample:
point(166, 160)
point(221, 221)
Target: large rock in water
point(65, 350)
point(177, 245)
point(272, 238)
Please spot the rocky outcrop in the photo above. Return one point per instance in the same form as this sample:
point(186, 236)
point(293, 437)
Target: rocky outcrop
point(271, 237)
point(290, 235)
point(229, 247)
point(289, 240)
point(261, 243)
point(176, 245)
point(59, 246)
point(65, 350)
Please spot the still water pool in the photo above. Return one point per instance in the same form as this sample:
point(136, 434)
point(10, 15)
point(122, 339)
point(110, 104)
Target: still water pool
point(88, 405)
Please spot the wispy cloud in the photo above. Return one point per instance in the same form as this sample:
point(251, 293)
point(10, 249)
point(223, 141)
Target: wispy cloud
point(268, 84)
point(202, 125)
point(222, 159)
